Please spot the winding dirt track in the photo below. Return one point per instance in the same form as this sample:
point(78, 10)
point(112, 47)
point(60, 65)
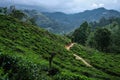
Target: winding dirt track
point(76, 56)
point(69, 46)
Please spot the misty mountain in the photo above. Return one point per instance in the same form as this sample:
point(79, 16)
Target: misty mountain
point(60, 23)
point(45, 22)
point(74, 20)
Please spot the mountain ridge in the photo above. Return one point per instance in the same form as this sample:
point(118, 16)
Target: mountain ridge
point(62, 23)
point(72, 21)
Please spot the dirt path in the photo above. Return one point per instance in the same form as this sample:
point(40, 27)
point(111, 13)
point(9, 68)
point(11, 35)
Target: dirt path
point(76, 56)
point(69, 46)
point(80, 58)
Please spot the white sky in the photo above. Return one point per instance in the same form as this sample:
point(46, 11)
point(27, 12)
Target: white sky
point(68, 6)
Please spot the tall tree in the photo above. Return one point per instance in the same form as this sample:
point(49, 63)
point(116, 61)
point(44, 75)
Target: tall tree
point(5, 10)
point(115, 45)
point(52, 55)
point(80, 35)
point(102, 39)
point(90, 40)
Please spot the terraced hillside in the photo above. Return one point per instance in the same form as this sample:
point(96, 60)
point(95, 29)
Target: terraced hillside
point(28, 52)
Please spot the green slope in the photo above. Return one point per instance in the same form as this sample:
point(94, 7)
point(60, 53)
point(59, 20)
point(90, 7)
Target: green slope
point(106, 62)
point(25, 51)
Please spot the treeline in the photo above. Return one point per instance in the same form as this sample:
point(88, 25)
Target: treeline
point(103, 38)
point(103, 22)
point(18, 14)
point(12, 11)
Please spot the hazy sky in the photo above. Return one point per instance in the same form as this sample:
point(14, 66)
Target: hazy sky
point(67, 6)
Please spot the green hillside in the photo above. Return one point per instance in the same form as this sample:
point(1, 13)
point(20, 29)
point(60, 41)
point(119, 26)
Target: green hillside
point(26, 50)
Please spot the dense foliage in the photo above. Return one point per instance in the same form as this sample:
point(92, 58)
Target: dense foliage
point(102, 39)
point(80, 35)
point(17, 14)
point(103, 22)
point(28, 52)
point(105, 38)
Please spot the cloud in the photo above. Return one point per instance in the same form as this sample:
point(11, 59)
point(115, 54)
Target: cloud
point(115, 1)
point(67, 6)
point(101, 5)
point(94, 5)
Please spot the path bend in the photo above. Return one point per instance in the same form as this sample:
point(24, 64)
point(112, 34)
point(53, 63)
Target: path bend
point(76, 56)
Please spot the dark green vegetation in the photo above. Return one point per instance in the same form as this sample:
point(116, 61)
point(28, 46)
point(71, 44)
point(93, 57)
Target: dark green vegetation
point(105, 21)
point(104, 38)
point(12, 11)
point(81, 34)
point(105, 62)
point(28, 52)
point(17, 14)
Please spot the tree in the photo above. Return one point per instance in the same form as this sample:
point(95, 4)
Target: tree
point(1, 10)
point(17, 14)
point(115, 36)
point(80, 35)
point(103, 21)
point(52, 70)
point(32, 20)
point(102, 39)
point(90, 40)
point(52, 55)
point(5, 10)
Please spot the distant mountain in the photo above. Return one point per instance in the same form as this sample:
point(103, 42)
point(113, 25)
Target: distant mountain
point(60, 23)
point(72, 21)
point(45, 22)
point(96, 14)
